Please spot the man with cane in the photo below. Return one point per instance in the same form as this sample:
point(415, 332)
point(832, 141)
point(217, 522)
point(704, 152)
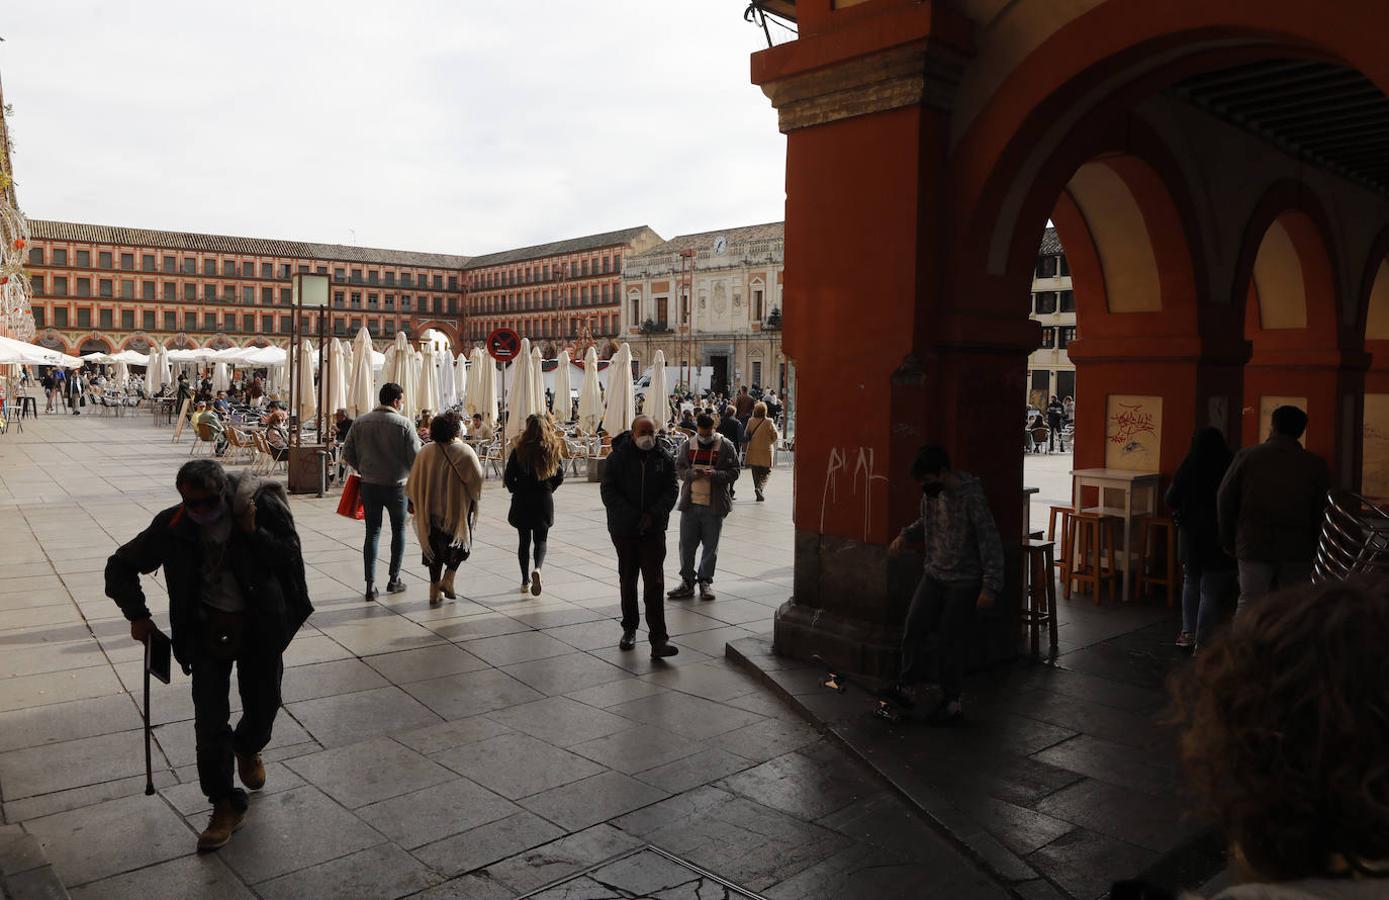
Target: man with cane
point(237, 595)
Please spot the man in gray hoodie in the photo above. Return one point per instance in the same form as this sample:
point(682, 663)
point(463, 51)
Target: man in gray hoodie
point(381, 446)
point(963, 571)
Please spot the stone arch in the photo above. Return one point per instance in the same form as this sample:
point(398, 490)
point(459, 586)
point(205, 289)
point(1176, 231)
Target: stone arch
point(257, 342)
point(220, 341)
point(140, 342)
point(1286, 278)
point(53, 340)
point(95, 342)
point(1285, 273)
point(1106, 60)
point(181, 341)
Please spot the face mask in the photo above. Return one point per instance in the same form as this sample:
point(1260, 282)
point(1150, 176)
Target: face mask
point(206, 516)
point(645, 442)
point(706, 441)
point(932, 488)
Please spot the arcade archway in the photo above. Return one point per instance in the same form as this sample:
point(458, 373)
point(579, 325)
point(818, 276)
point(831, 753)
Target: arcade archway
point(1192, 160)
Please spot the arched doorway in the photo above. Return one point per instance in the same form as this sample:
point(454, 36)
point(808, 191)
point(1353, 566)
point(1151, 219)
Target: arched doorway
point(925, 153)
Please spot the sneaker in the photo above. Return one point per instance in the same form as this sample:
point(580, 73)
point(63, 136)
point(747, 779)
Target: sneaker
point(226, 818)
point(683, 592)
point(1186, 639)
point(526, 586)
point(395, 586)
point(705, 591)
point(372, 593)
point(629, 639)
point(663, 649)
point(896, 694)
point(251, 770)
point(535, 583)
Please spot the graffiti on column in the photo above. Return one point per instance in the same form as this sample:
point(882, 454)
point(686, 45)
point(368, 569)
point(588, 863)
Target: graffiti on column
point(865, 461)
point(1133, 431)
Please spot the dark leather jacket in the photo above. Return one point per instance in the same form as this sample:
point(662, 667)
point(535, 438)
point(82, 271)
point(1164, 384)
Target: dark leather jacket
point(268, 566)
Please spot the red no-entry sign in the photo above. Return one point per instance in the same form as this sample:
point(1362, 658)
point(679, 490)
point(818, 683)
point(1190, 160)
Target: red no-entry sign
point(504, 344)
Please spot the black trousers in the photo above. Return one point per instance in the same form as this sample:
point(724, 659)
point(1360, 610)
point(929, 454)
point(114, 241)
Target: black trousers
point(937, 628)
point(643, 557)
point(258, 681)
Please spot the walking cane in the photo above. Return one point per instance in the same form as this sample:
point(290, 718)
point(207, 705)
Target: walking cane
point(149, 767)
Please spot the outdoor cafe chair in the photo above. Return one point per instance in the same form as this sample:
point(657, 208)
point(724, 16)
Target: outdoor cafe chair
point(204, 438)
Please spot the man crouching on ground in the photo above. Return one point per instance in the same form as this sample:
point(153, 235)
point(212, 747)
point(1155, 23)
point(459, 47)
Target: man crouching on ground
point(237, 594)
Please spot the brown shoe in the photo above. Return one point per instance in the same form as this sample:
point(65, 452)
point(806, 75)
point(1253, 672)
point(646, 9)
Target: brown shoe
point(226, 818)
point(251, 770)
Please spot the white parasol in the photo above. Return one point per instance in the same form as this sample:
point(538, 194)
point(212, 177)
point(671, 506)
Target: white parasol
point(590, 395)
point(487, 392)
point(443, 373)
point(429, 381)
point(23, 353)
point(460, 379)
point(657, 404)
point(520, 393)
point(537, 381)
point(221, 378)
point(472, 393)
point(363, 394)
point(122, 374)
point(308, 396)
point(621, 406)
point(563, 407)
point(335, 396)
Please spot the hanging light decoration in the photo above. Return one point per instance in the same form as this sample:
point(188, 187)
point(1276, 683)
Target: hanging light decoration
point(16, 314)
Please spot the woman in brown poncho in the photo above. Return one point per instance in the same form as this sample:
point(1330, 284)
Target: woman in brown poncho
point(444, 488)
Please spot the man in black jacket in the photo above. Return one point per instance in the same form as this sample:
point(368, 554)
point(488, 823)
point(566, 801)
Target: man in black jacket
point(235, 577)
point(639, 490)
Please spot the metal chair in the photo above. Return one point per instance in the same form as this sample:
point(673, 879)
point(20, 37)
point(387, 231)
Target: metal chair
point(1354, 539)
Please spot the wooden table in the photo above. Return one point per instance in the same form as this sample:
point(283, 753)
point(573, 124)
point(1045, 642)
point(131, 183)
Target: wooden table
point(1027, 493)
point(1123, 494)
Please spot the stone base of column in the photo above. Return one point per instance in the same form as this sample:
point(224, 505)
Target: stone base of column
point(851, 600)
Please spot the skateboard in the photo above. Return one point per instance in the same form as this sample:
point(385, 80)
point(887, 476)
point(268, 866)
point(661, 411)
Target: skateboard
point(839, 682)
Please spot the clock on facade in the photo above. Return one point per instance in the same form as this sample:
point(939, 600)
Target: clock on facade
point(720, 245)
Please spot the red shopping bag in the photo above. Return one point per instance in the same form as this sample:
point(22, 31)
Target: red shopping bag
point(350, 505)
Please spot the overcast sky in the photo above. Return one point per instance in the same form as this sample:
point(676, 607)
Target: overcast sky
point(457, 127)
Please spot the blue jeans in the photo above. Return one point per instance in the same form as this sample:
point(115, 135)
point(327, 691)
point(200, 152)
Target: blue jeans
point(1203, 594)
point(1258, 578)
point(699, 525)
point(391, 498)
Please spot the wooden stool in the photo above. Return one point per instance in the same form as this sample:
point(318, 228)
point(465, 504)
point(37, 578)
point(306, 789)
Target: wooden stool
point(1063, 559)
point(1040, 596)
point(1092, 538)
point(1158, 525)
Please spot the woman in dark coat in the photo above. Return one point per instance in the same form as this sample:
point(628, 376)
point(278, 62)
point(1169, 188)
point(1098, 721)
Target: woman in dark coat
point(1209, 572)
point(534, 471)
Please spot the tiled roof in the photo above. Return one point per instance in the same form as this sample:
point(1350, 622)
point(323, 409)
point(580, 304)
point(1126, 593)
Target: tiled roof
point(1051, 244)
point(642, 236)
point(217, 243)
point(704, 240)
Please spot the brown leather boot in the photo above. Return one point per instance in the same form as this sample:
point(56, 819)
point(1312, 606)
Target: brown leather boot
point(251, 770)
point(436, 595)
point(226, 818)
point(446, 585)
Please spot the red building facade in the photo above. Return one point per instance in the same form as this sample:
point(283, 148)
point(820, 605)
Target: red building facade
point(110, 288)
point(552, 292)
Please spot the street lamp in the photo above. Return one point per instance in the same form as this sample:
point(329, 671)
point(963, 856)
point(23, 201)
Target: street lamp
point(309, 292)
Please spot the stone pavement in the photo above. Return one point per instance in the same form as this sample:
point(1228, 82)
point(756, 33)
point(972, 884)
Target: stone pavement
point(1060, 780)
point(493, 747)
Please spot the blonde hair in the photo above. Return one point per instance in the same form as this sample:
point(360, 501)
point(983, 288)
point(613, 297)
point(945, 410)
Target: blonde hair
point(759, 410)
point(539, 448)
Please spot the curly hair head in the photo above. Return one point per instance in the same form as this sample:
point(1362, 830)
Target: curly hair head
point(1285, 731)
